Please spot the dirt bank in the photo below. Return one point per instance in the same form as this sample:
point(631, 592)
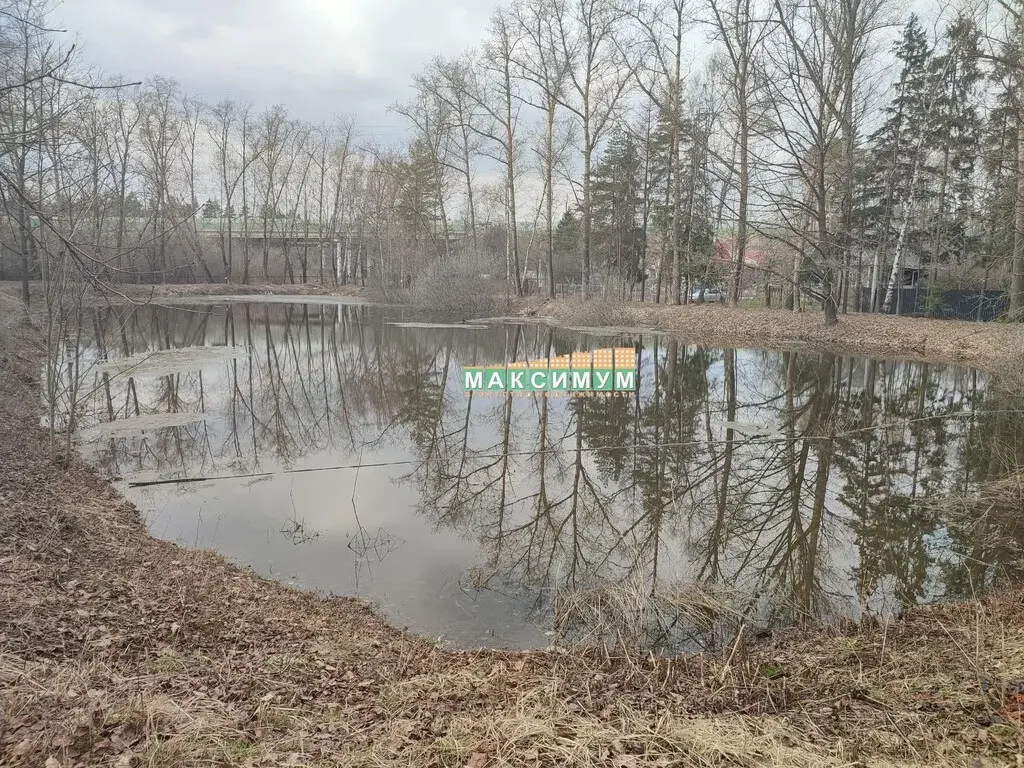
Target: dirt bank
point(984, 345)
point(155, 292)
point(117, 649)
point(143, 292)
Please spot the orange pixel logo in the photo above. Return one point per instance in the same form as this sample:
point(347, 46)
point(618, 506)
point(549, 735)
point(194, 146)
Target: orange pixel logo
point(600, 370)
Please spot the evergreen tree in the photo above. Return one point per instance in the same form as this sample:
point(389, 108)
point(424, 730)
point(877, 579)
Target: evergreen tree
point(999, 147)
point(618, 235)
point(698, 229)
point(211, 210)
point(886, 195)
point(955, 139)
point(567, 246)
point(694, 219)
point(420, 200)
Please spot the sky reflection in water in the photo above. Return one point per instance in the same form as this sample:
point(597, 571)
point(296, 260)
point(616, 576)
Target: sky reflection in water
point(781, 486)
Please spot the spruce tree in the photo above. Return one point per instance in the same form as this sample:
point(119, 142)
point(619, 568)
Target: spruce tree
point(999, 148)
point(694, 219)
point(617, 207)
point(889, 191)
point(955, 140)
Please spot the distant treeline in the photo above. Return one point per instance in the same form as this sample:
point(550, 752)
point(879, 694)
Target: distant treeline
point(576, 143)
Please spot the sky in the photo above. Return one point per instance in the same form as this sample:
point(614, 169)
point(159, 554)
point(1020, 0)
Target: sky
point(318, 57)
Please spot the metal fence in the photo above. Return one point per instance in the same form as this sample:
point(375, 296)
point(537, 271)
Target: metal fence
point(949, 305)
point(617, 292)
point(967, 304)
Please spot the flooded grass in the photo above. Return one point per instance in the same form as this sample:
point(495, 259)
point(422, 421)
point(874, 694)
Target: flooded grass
point(463, 326)
point(161, 362)
point(132, 424)
point(262, 299)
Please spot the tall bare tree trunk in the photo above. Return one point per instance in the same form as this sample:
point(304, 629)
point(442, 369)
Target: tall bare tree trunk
point(741, 226)
point(588, 214)
point(549, 189)
point(1017, 267)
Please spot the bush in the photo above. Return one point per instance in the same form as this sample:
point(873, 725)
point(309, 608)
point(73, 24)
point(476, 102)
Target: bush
point(935, 297)
point(596, 313)
point(448, 290)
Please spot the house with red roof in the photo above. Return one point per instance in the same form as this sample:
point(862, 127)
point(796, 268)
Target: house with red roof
point(726, 247)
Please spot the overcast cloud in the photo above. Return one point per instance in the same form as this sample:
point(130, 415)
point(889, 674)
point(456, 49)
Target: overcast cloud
point(318, 57)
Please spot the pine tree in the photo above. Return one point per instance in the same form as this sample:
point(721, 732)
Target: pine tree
point(694, 219)
point(617, 208)
point(420, 201)
point(211, 210)
point(956, 142)
point(889, 191)
point(996, 216)
point(698, 230)
point(568, 242)
point(999, 146)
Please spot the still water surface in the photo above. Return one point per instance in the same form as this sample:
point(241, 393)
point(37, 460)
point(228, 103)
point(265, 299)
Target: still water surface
point(330, 445)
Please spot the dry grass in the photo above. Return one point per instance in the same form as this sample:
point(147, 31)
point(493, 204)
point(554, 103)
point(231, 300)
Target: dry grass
point(907, 694)
point(540, 729)
point(1011, 366)
point(987, 345)
point(625, 619)
point(597, 313)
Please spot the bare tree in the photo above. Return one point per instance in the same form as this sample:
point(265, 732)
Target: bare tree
point(741, 34)
point(343, 195)
point(540, 62)
point(227, 125)
point(658, 69)
point(295, 183)
point(497, 95)
point(450, 82)
point(31, 60)
point(160, 134)
point(1010, 54)
point(597, 79)
point(274, 133)
point(126, 118)
point(825, 45)
point(190, 147)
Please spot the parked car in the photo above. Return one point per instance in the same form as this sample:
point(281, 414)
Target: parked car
point(711, 295)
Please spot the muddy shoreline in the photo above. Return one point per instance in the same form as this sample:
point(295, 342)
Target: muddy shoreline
point(986, 346)
point(119, 649)
point(982, 345)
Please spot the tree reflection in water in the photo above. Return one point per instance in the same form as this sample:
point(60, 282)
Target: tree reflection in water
point(776, 487)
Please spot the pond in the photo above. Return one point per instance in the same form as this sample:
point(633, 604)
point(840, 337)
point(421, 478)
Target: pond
point(330, 445)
